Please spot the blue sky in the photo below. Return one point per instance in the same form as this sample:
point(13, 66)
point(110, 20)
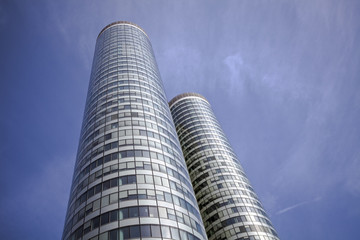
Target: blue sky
point(283, 78)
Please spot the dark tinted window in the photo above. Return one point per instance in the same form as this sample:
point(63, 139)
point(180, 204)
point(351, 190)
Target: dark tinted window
point(143, 211)
point(104, 218)
point(134, 231)
point(114, 235)
point(145, 231)
point(113, 216)
point(133, 212)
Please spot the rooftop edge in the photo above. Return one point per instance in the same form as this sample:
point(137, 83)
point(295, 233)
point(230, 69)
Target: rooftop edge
point(183, 95)
point(121, 22)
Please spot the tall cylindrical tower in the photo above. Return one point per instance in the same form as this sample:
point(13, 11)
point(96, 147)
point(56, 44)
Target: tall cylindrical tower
point(130, 179)
point(229, 206)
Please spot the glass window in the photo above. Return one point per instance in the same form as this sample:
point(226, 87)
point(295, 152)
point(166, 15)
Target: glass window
point(130, 153)
point(183, 235)
point(165, 182)
point(107, 158)
point(113, 182)
point(113, 216)
point(103, 236)
point(123, 180)
point(165, 232)
point(175, 233)
point(143, 211)
point(146, 153)
point(157, 180)
point(147, 166)
point(155, 231)
point(133, 212)
point(139, 164)
point(176, 200)
point(96, 204)
point(153, 212)
point(113, 198)
point(138, 153)
point(159, 195)
point(123, 194)
point(162, 212)
point(123, 213)
point(124, 233)
point(131, 179)
point(148, 179)
point(122, 166)
point(187, 220)
point(105, 201)
point(140, 179)
point(114, 234)
point(97, 188)
point(95, 222)
point(106, 184)
point(104, 218)
point(134, 231)
point(171, 214)
point(130, 165)
point(168, 197)
point(145, 231)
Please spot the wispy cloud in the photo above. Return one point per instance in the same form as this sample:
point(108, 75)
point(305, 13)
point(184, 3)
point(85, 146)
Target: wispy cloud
point(298, 205)
point(234, 64)
point(239, 73)
point(244, 74)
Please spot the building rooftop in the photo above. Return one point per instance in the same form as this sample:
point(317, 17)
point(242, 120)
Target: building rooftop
point(183, 95)
point(121, 22)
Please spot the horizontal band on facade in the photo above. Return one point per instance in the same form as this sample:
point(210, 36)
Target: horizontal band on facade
point(121, 22)
point(183, 95)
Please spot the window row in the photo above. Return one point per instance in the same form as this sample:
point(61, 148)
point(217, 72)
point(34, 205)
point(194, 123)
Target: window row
point(131, 212)
point(130, 165)
point(120, 72)
point(149, 77)
point(230, 208)
point(164, 136)
point(240, 229)
point(104, 69)
point(140, 179)
point(134, 194)
point(222, 183)
point(117, 197)
point(119, 99)
point(167, 137)
point(140, 231)
point(160, 101)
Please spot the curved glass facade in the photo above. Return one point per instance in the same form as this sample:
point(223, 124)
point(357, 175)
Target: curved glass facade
point(130, 179)
point(229, 206)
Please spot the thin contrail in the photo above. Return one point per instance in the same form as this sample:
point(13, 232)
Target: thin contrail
point(298, 205)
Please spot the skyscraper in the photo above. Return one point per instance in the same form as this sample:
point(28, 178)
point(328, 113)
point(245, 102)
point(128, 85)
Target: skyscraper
point(130, 178)
point(229, 206)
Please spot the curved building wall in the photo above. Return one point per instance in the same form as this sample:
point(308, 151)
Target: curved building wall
point(229, 206)
point(130, 178)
